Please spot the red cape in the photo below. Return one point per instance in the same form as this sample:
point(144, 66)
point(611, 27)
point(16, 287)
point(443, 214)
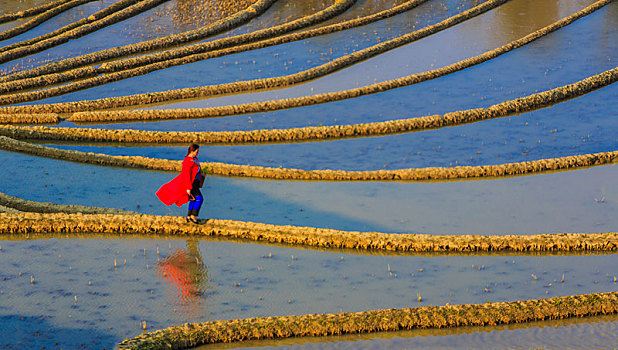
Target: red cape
point(175, 191)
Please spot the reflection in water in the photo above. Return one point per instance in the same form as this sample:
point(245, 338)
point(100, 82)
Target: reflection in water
point(185, 270)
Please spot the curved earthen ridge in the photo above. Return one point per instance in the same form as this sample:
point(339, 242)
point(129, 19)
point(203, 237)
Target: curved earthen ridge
point(519, 105)
point(93, 24)
point(23, 205)
point(8, 17)
point(52, 12)
point(316, 325)
point(157, 97)
point(198, 52)
point(78, 223)
point(240, 17)
point(411, 174)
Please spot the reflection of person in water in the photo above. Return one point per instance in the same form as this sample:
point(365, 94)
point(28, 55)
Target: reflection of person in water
point(186, 186)
point(185, 270)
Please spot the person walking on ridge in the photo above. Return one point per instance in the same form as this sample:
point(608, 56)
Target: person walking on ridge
point(186, 186)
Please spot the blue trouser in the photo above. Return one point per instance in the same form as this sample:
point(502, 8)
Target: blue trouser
point(194, 206)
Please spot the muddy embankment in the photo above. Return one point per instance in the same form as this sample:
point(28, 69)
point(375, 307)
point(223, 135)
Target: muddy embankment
point(239, 17)
point(50, 13)
point(32, 11)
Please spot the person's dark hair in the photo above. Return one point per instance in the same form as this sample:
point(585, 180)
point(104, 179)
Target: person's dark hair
point(192, 148)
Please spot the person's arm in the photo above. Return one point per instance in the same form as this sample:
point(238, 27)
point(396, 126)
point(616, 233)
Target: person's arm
point(186, 175)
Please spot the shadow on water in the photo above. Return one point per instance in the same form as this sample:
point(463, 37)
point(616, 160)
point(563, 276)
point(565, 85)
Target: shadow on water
point(28, 332)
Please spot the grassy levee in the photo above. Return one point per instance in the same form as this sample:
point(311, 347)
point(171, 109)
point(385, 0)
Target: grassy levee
point(266, 106)
point(203, 91)
point(90, 27)
point(519, 105)
point(240, 17)
point(148, 63)
point(8, 17)
point(80, 223)
point(48, 118)
point(314, 325)
point(115, 7)
point(43, 207)
point(410, 174)
point(54, 11)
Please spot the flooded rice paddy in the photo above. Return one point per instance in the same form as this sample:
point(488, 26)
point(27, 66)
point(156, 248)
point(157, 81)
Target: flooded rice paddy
point(165, 281)
point(93, 291)
point(578, 126)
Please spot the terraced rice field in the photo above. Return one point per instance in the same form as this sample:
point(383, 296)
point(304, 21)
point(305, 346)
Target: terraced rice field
point(374, 165)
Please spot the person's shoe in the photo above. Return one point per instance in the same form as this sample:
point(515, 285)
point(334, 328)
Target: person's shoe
point(195, 221)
